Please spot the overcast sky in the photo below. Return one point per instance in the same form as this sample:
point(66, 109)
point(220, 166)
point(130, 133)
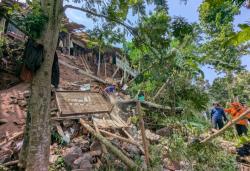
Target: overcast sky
point(176, 8)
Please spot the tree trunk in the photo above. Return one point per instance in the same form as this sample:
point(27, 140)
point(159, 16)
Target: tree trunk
point(35, 151)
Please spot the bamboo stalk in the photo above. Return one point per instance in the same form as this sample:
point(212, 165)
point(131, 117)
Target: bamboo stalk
point(109, 146)
point(104, 150)
point(119, 137)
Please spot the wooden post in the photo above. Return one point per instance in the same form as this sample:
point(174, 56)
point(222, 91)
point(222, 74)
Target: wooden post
point(144, 140)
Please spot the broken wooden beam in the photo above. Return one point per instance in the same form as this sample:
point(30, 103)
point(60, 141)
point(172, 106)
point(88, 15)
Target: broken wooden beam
point(109, 146)
point(228, 125)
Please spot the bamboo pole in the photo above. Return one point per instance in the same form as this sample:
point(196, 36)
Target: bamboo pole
point(109, 146)
point(104, 149)
point(117, 69)
point(119, 137)
point(160, 90)
point(144, 140)
point(228, 125)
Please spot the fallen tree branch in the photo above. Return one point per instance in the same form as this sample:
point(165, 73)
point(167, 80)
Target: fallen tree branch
point(109, 146)
point(228, 125)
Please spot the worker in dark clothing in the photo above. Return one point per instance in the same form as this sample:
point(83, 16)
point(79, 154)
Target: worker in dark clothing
point(217, 115)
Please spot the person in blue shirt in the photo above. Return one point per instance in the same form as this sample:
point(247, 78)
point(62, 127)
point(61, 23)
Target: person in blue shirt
point(217, 115)
point(110, 89)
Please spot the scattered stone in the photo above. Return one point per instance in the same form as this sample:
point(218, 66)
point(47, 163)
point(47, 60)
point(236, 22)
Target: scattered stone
point(165, 132)
point(84, 162)
point(13, 101)
point(149, 135)
point(131, 149)
point(68, 123)
point(95, 146)
point(71, 155)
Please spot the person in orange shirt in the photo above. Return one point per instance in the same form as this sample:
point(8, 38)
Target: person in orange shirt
point(235, 110)
point(243, 104)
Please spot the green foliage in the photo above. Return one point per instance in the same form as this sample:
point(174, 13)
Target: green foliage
point(58, 165)
point(199, 157)
point(181, 28)
point(215, 15)
point(234, 84)
point(240, 37)
point(31, 20)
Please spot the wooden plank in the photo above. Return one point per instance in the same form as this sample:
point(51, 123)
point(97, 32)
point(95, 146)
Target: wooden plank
point(76, 103)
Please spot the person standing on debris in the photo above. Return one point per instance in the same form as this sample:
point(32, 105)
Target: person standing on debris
point(235, 110)
point(217, 115)
point(110, 89)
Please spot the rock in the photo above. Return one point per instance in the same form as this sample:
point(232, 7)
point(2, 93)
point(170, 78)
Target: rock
point(3, 121)
point(95, 146)
point(68, 123)
point(26, 94)
point(71, 155)
point(22, 103)
point(165, 132)
point(149, 135)
point(84, 162)
point(131, 149)
point(82, 143)
point(13, 101)
point(53, 158)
